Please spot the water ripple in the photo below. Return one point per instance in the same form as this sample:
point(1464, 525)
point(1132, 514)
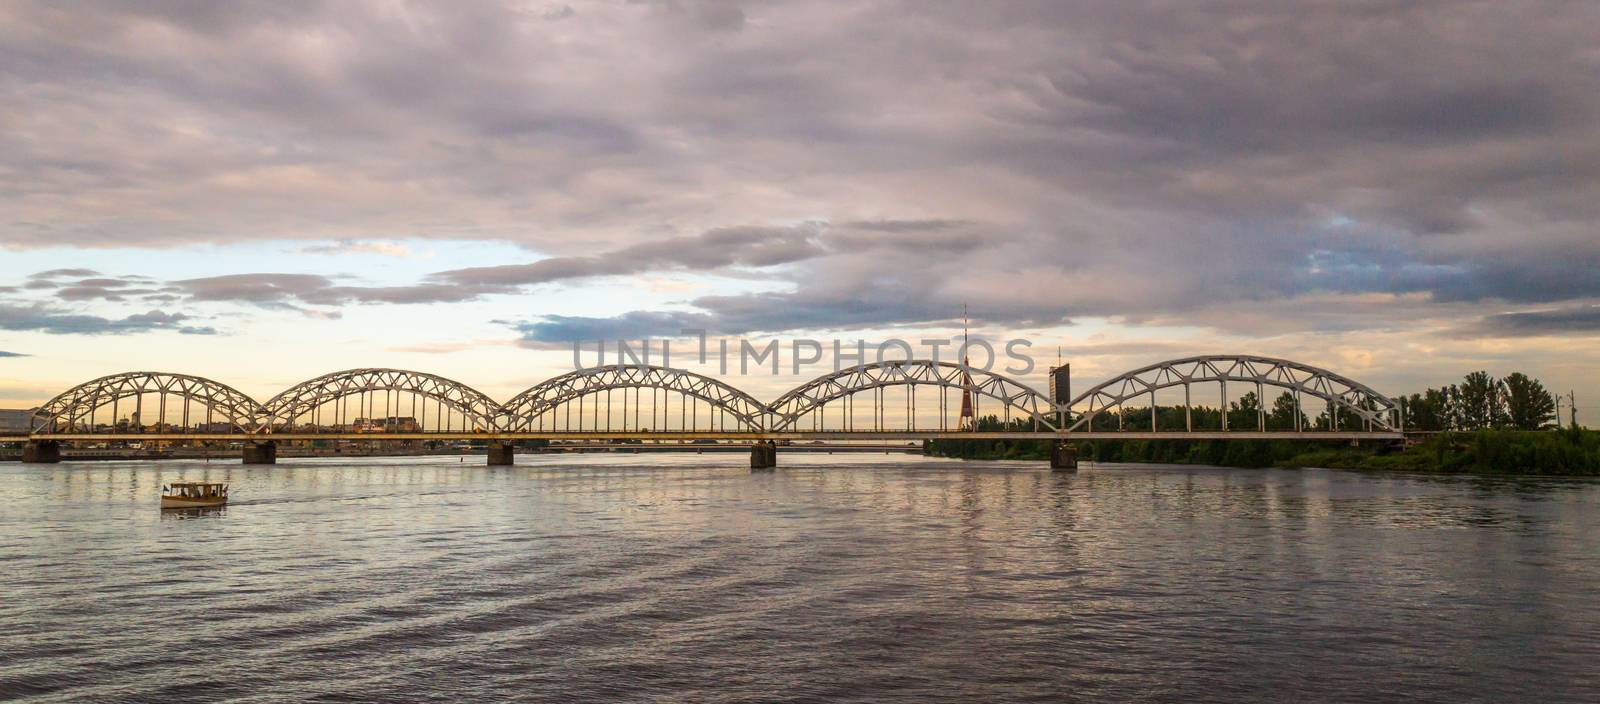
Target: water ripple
point(836, 578)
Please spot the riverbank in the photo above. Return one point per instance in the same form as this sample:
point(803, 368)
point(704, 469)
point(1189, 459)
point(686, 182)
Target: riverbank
point(1549, 452)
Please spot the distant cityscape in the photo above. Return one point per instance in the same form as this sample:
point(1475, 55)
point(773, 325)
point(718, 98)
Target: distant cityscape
point(16, 420)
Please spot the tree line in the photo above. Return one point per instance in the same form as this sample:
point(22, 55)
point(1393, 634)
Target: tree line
point(1481, 402)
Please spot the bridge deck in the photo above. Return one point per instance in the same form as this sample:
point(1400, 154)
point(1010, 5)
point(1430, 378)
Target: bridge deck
point(726, 436)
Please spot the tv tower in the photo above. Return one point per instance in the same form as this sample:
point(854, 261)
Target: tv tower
point(967, 421)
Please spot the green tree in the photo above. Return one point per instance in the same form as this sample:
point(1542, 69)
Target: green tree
point(1416, 411)
point(1283, 413)
point(1453, 415)
point(1528, 406)
point(1242, 413)
point(1435, 412)
point(1480, 396)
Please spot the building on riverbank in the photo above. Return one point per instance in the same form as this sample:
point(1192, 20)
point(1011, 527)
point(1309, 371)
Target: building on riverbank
point(13, 420)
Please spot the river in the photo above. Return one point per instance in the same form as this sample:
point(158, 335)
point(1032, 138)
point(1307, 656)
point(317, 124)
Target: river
point(868, 578)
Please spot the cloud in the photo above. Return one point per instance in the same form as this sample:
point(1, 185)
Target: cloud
point(60, 273)
point(45, 319)
point(4, 354)
point(100, 288)
point(554, 14)
point(714, 249)
point(1040, 161)
point(632, 326)
point(1580, 320)
point(271, 290)
point(387, 249)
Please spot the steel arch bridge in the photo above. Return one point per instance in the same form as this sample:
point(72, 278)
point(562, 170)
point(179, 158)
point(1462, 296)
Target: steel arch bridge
point(813, 396)
point(306, 399)
point(420, 406)
point(1339, 393)
point(76, 406)
point(538, 404)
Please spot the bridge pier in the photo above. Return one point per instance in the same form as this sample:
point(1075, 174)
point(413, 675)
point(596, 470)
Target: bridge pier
point(502, 454)
point(41, 452)
point(1063, 457)
point(764, 455)
point(261, 453)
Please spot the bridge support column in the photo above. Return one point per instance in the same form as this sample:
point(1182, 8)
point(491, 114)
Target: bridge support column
point(502, 454)
point(41, 452)
point(261, 453)
point(764, 455)
point(1063, 457)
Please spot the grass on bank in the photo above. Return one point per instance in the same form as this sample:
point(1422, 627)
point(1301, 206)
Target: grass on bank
point(1544, 452)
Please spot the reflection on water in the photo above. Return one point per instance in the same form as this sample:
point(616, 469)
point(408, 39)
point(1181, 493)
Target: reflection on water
point(843, 577)
point(178, 514)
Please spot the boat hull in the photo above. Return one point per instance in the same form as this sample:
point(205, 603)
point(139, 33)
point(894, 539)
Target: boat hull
point(179, 502)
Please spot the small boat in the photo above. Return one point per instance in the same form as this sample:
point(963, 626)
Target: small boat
point(193, 495)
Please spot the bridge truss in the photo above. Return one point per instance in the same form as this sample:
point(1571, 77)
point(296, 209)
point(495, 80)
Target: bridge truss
point(910, 399)
point(324, 402)
point(810, 400)
point(1341, 395)
point(194, 400)
point(560, 402)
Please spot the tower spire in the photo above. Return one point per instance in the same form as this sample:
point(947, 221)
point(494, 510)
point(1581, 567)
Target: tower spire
point(968, 418)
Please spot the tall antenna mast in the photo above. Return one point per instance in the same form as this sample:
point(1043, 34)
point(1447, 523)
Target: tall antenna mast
point(968, 419)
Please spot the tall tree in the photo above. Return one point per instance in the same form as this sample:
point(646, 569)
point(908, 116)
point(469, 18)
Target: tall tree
point(1480, 402)
point(1421, 413)
point(1282, 416)
point(1242, 413)
point(1429, 410)
point(1528, 405)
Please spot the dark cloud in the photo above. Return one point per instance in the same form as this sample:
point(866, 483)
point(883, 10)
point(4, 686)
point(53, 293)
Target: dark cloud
point(101, 288)
point(1040, 160)
point(4, 353)
point(260, 289)
point(60, 273)
point(632, 326)
point(283, 290)
point(883, 302)
point(1581, 320)
point(558, 13)
point(714, 249)
point(45, 319)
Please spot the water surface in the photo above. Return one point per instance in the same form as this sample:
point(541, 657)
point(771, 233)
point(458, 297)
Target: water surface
point(672, 577)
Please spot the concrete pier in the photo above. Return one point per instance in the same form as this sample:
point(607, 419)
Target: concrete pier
point(764, 455)
point(502, 454)
point(1063, 457)
point(261, 453)
point(41, 452)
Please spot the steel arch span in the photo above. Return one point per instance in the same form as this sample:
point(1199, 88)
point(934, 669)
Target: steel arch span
point(301, 399)
point(223, 403)
point(1337, 391)
point(812, 395)
point(523, 410)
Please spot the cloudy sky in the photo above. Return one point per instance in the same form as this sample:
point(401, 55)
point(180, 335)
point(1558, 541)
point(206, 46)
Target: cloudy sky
point(263, 192)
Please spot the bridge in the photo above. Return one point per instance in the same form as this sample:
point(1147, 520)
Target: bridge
point(898, 400)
